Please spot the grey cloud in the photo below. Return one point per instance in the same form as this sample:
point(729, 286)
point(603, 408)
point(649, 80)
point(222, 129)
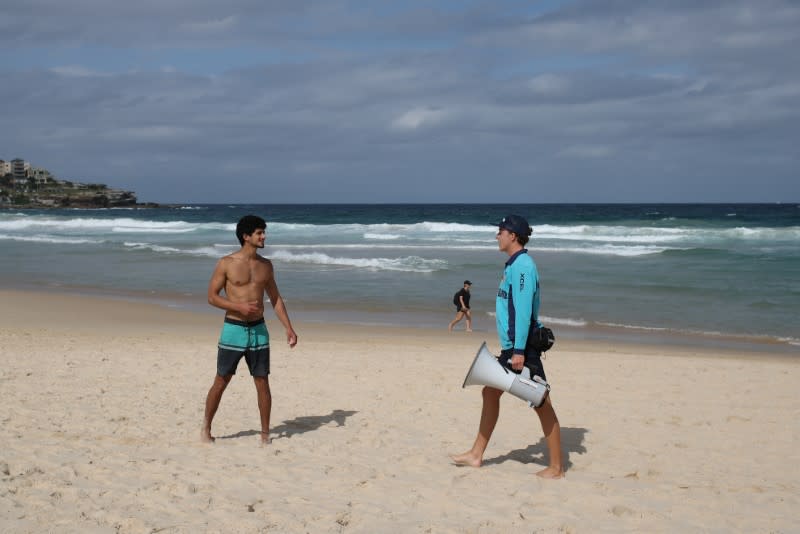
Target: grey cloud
point(657, 101)
point(583, 87)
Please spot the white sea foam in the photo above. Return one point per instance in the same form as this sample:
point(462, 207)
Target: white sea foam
point(215, 251)
point(608, 250)
point(280, 253)
point(417, 232)
point(706, 333)
point(381, 246)
point(386, 237)
point(613, 234)
point(408, 263)
point(414, 229)
point(561, 321)
point(579, 323)
point(440, 227)
point(152, 247)
point(111, 225)
point(51, 239)
point(447, 232)
point(636, 327)
point(545, 320)
point(583, 239)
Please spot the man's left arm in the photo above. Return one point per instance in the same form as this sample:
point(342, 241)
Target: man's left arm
point(280, 310)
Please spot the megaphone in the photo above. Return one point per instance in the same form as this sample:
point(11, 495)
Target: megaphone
point(487, 371)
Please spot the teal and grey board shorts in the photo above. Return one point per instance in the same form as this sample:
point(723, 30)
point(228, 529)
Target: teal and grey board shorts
point(242, 338)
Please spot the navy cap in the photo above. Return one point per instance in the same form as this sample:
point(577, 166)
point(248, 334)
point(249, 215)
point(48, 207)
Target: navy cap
point(515, 223)
point(467, 283)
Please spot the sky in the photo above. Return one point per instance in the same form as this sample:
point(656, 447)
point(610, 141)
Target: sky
point(307, 101)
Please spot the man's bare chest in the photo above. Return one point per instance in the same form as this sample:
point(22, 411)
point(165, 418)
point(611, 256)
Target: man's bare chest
point(241, 274)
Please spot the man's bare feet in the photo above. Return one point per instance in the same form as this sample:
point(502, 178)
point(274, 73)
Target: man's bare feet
point(265, 439)
point(205, 436)
point(551, 472)
point(466, 459)
point(469, 330)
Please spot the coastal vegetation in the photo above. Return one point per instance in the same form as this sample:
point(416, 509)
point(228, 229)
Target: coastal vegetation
point(38, 188)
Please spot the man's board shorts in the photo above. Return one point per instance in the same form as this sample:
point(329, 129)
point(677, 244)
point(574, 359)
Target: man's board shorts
point(243, 338)
point(533, 361)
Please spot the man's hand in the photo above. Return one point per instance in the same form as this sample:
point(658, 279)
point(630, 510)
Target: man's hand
point(249, 309)
point(291, 338)
point(517, 362)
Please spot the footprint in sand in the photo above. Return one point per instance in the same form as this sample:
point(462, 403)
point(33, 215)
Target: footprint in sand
point(737, 418)
point(620, 510)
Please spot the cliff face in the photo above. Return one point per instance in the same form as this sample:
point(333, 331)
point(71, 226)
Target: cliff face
point(58, 194)
point(107, 199)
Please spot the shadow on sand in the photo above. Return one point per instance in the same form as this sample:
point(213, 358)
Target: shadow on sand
point(571, 443)
point(299, 425)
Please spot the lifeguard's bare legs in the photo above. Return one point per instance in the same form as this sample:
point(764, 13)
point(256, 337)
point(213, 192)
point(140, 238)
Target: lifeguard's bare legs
point(552, 435)
point(490, 412)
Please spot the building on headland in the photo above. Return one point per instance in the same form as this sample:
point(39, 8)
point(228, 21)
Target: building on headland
point(41, 176)
point(23, 185)
point(20, 169)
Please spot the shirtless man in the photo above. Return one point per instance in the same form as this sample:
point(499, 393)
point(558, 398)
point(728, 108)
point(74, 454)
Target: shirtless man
point(245, 276)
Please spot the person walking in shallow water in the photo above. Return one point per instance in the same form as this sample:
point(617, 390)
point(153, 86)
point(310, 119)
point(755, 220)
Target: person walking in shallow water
point(461, 302)
point(517, 311)
point(245, 276)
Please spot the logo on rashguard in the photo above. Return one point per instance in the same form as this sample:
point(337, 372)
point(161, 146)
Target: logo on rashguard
point(522, 281)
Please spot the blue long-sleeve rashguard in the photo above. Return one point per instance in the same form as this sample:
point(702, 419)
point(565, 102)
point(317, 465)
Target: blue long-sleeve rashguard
point(517, 303)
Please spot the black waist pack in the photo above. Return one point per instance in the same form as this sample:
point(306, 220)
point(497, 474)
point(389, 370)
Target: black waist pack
point(542, 339)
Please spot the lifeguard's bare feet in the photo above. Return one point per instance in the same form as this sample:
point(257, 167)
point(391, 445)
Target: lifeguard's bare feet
point(466, 459)
point(551, 472)
point(265, 439)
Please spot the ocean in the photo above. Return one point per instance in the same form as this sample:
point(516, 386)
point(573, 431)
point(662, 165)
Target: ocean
point(710, 274)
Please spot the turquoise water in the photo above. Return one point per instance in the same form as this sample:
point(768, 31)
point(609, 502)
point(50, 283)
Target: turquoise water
point(716, 270)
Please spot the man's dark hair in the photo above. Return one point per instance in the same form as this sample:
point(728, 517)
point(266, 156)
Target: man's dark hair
point(517, 225)
point(247, 225)
point(523, 239)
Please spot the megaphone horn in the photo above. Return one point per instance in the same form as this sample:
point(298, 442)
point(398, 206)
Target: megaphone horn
point(487, 371)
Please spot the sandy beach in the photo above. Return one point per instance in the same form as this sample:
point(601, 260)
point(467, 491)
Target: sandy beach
point(102, 402)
